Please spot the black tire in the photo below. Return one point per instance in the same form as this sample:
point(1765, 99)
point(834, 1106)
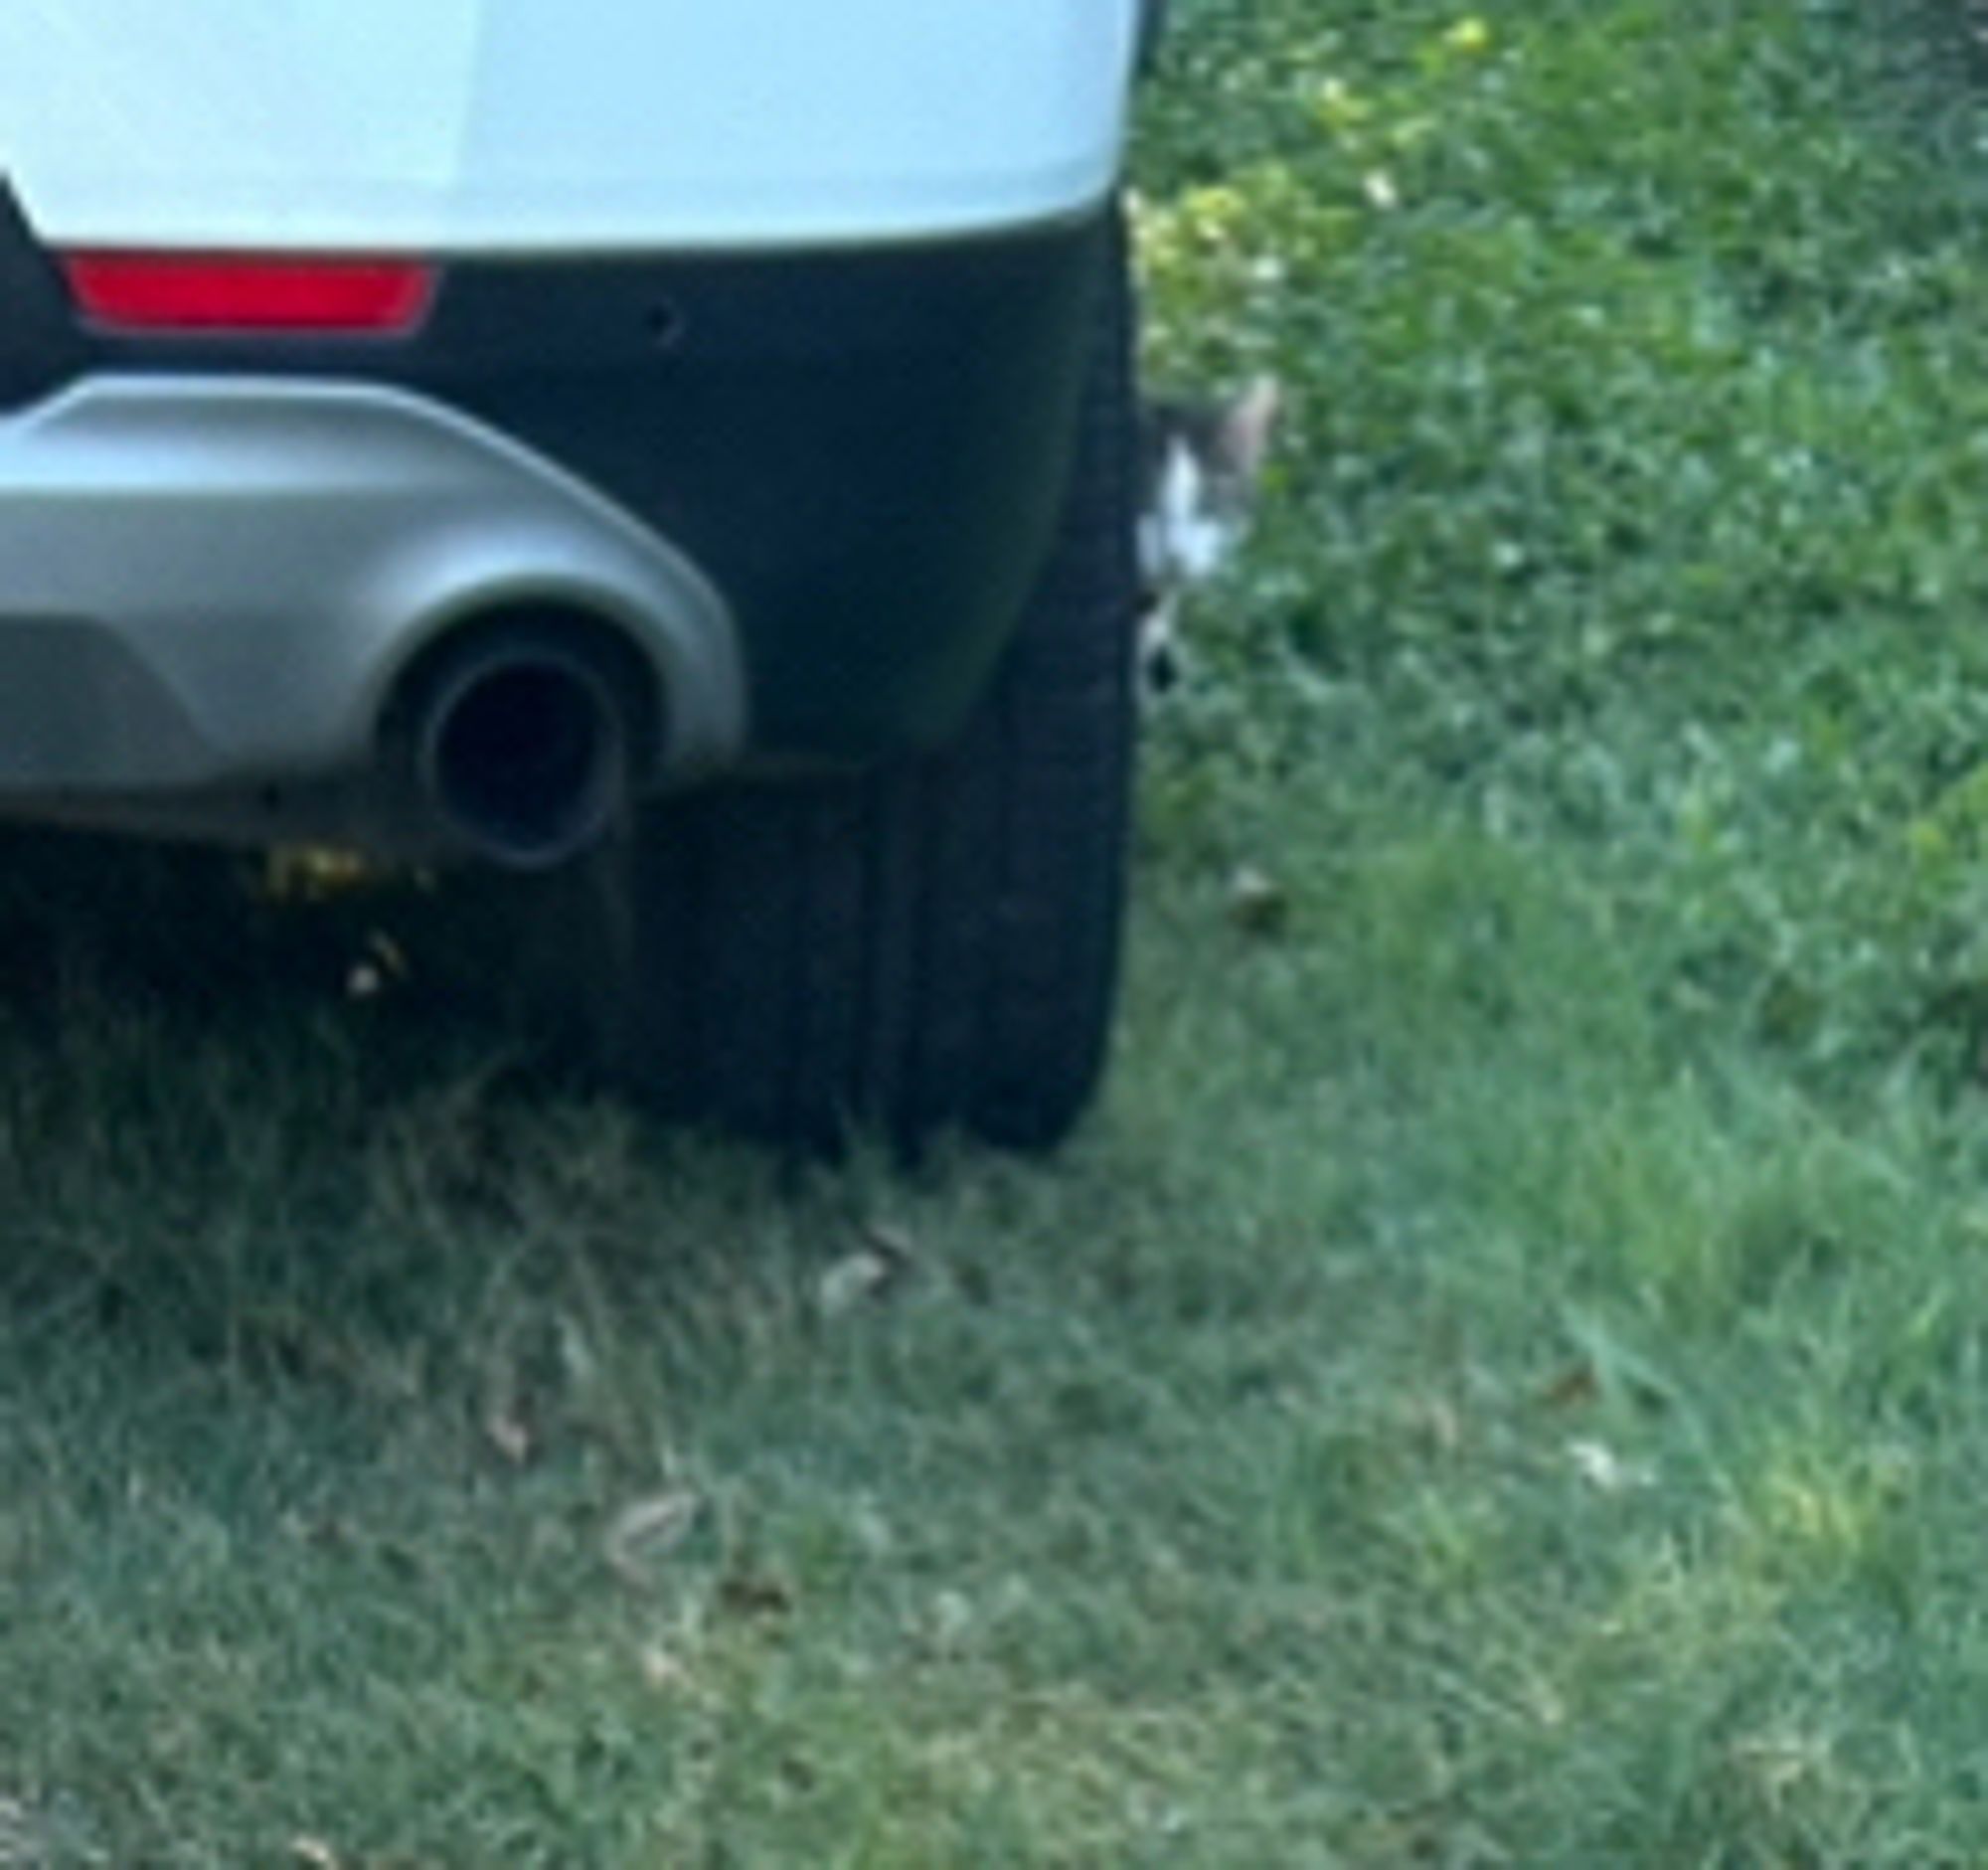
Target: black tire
point(927, 947)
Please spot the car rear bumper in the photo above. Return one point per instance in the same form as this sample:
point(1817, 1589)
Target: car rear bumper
point(810, 492)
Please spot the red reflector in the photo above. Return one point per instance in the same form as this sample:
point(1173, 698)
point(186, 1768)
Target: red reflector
point(185, 292)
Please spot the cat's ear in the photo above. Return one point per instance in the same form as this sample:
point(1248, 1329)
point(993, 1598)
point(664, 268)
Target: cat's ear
point(1248, 423)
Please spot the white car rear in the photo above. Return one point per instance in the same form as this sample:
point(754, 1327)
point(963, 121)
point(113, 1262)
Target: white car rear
point(675, 455)
point(524, 125)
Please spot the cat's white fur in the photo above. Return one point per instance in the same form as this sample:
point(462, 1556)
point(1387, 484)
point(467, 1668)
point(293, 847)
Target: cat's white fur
point(1184, 537)
point(1181, 540)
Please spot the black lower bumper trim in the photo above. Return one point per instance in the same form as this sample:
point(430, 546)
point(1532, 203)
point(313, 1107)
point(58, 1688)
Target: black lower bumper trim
point(864, 450)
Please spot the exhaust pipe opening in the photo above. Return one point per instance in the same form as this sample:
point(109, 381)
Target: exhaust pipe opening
point(520, 748)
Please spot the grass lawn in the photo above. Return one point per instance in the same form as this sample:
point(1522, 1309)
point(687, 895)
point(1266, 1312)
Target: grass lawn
point(1504, 1377)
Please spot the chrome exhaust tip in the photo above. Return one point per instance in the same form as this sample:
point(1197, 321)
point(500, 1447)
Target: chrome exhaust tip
point(517, 744)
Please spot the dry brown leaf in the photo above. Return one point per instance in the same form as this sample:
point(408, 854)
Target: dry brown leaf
point(314, 872)
point(661, 1670)
point(1258, 903)
point(644, 1534)
point(1605, 1470)
point(1575, 1387)
point(868, 1274)
point(755, 1594)
point(852, 1281)
point(893, 1243)
point(383, 965)
point(509, 1435)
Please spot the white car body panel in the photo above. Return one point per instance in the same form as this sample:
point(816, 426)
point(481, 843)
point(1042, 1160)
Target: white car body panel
point(447, 126)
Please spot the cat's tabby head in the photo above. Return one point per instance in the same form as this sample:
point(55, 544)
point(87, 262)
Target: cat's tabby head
point(1201, 465)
